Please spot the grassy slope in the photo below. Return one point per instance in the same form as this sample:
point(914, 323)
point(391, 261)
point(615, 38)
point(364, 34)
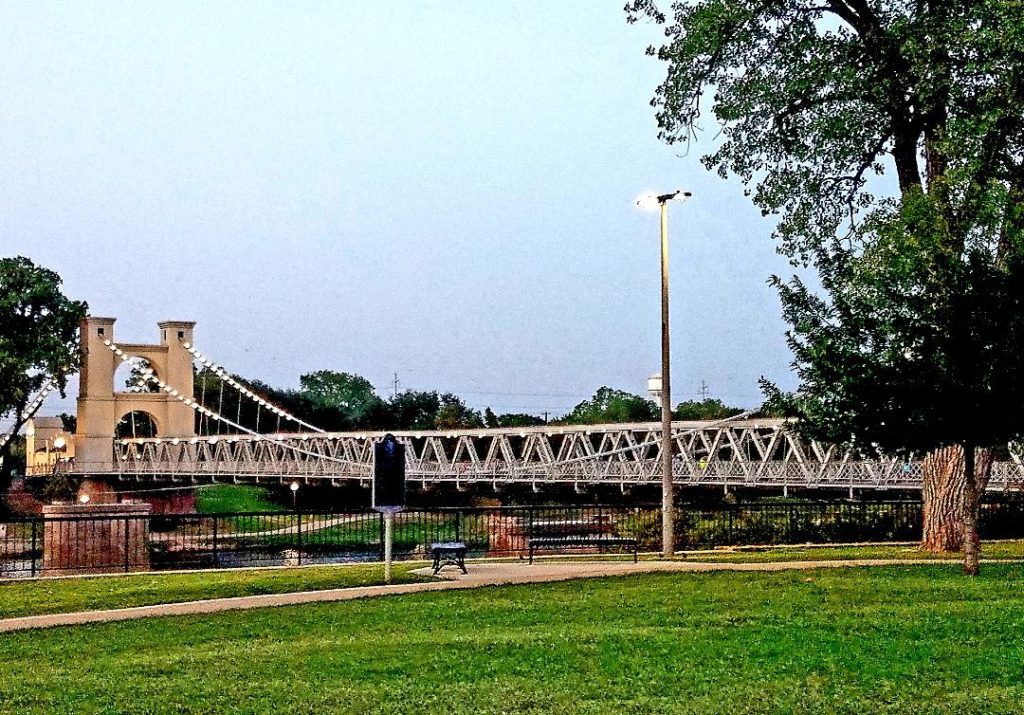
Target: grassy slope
point(24, 598)
point(885, 640)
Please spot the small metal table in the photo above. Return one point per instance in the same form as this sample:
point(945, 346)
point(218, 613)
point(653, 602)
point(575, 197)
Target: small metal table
point(449, 553)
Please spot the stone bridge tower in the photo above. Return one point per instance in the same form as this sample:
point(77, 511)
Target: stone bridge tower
point(102, 405)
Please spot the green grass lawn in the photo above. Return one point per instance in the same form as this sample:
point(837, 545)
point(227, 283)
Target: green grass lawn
point(219, 498)
point(990, 550)
point(881, 640)
point(26, 598)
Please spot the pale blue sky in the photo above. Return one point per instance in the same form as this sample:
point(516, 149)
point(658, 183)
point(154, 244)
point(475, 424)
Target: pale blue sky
point(443, 190)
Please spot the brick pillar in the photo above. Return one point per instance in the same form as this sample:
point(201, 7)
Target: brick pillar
point(95, 538)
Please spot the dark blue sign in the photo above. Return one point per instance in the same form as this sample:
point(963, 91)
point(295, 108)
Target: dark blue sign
point(389, 474)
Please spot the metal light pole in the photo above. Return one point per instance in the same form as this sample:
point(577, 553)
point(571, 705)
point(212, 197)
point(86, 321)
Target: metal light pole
point(667, 485)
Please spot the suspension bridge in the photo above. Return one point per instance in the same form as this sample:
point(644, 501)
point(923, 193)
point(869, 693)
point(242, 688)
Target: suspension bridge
point(180, 447)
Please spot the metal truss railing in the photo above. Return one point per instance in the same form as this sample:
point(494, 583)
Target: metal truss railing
point(739, 453)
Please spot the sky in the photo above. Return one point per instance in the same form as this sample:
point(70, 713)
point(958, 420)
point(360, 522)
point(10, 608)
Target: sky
point(442, 191)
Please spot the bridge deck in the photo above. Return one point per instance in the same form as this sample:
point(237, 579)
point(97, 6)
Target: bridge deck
point(757, 453)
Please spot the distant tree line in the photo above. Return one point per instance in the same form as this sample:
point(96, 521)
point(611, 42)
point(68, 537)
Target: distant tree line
point(341, 401)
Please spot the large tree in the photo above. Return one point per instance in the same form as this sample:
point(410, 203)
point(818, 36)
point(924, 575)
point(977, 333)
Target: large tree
point(710, 408)
point(610, 405)
point(907, 347)
point(38, 339)
point(352, 395)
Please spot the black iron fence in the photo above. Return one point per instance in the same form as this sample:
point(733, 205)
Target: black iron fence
point(34, 546)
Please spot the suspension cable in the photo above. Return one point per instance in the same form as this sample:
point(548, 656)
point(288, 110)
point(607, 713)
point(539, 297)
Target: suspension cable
point(203, 410)
point(224, 375)
point(30, 410)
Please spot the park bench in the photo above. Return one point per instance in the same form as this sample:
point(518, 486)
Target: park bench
point(602, 542)
point(592, 531)
point(448, 553)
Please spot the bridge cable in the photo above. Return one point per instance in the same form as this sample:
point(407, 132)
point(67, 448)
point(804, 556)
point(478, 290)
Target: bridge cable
point(203, 410)
point(224, 375)
point(30, 410)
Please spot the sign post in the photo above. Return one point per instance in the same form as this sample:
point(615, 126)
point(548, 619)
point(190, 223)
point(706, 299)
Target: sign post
point(389, 539)
point(388, 490)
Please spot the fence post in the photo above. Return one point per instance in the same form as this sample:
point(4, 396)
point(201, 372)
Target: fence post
point(32, 553)
point(299, 529)
point(380, 525)
point(126, 527)
point(216, 554)
point(458, 525)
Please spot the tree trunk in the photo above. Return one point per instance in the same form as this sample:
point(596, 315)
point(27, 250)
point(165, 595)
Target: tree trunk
point(951, 505)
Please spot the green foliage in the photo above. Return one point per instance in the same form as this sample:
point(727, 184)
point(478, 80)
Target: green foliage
point(351, 395)
point(917, 345)
point(411, 409)
point(707, 409)
point(608, 405)
point(69, 422)
point(14, 461)
point(212, 391)
point(511, 419)
point(454, 414)
point(59, 487)
point(911, 344)
point(135, 425)
point(38, 335)
point(813, 98)
point(518, 419)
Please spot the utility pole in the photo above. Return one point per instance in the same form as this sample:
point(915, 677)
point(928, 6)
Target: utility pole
point(394, 386)
point(703, 392)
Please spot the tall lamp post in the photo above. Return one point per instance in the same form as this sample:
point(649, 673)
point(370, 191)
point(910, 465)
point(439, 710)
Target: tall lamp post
point(649, 202)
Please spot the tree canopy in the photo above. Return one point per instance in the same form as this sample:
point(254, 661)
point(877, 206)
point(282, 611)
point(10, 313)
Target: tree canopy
point(38, 334)
point(911, 342)
point(707, 409)
point(610, 405)
point(351, 395)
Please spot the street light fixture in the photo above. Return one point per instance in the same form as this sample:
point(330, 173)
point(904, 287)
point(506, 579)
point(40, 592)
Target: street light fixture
point(295, 490)
point(650, 202)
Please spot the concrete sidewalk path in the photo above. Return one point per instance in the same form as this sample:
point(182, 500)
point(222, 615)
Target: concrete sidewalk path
point(480, 575)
